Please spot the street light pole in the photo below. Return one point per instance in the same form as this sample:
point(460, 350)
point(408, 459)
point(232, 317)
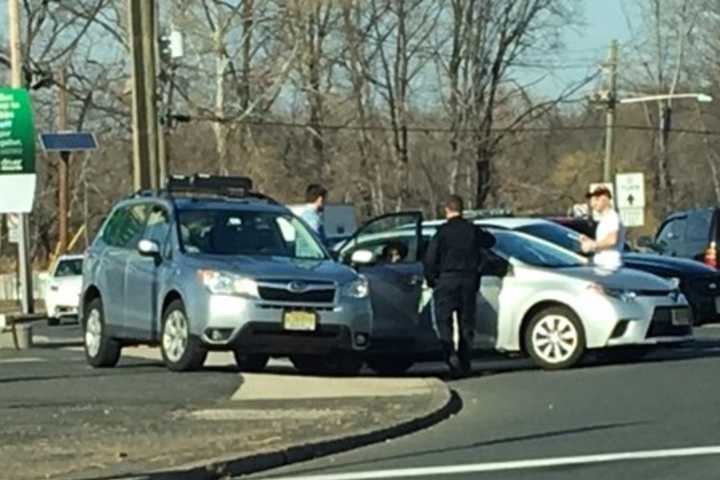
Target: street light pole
point(610, 112)
point(25, 267)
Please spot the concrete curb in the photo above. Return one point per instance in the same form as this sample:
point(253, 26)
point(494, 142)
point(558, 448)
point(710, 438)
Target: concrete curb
point(230, 467)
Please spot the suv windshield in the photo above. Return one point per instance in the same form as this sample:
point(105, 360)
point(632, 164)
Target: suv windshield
point(232, 232)
point(534, 252)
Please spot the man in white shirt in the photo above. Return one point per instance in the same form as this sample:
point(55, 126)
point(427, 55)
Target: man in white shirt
point(315, 196)
point(610, 235)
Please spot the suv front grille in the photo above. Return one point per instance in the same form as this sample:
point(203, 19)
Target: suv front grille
point(285, 295)
point(297, 291)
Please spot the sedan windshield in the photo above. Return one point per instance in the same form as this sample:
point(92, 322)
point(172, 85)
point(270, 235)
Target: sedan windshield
point(556, 234)
point(534, 252)
point(231, 232)
point(69, 268)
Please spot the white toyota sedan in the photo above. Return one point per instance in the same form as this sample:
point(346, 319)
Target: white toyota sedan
point(535, 298)
point(63, 288)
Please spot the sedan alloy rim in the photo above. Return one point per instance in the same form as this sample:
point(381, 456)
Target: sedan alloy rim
point(175, 336)
point(93, 333)
point(555, 339)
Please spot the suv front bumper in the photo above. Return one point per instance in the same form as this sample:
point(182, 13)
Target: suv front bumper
point(256, 326)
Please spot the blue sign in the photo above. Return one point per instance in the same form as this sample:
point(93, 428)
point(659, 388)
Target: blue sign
point(68, 142)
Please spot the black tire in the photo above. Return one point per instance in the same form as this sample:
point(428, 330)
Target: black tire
point(339, 364)
point(107, 352)
point(253, 362)
point(190, 355)
point(53, 321)
point(569, 352)
point(390, 365)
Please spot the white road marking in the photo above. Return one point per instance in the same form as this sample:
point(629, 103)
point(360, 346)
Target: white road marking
point(514, 465)
point(22, 360)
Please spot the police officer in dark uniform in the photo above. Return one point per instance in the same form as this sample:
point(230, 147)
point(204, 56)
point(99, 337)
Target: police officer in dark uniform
point(452, 268)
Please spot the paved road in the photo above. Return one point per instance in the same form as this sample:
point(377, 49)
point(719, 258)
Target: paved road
point(658, 412)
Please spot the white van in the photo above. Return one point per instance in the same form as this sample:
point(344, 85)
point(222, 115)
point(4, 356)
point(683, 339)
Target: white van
point(339, 220)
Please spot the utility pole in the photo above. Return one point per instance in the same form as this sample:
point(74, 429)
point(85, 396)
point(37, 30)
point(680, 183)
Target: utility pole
point(141, 15)
point(63, 166)
point(25, 267)
point(610, 111)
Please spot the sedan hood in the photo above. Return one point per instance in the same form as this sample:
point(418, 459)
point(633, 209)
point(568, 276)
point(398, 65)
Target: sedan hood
point(624, 279)
point(69, 284)
point(666, 266)
point(277, 267)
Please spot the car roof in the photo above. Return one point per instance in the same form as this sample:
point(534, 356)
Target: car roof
point(512, 222)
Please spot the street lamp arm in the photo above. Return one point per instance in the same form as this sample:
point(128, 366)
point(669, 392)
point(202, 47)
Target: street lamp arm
point(700, 97)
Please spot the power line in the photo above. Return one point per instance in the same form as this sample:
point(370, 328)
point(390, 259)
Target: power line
point(428, 129)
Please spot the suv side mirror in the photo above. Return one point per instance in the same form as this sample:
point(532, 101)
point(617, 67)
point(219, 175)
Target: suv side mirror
point(148, 248)
point(362, 257)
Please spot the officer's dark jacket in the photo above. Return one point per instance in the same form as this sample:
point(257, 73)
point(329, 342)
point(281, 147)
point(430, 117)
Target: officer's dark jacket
point(458, 247)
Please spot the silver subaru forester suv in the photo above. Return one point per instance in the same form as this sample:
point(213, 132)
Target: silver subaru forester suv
point(206, 264)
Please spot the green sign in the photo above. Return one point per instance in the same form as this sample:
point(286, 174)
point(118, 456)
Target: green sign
point(17, 133)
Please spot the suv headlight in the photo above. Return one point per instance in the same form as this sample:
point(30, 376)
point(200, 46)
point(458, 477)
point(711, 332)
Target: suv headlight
point(223, 283)
point(358, 288)
point(623, 295)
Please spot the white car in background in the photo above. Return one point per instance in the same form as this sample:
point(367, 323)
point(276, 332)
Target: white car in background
point(64, 284)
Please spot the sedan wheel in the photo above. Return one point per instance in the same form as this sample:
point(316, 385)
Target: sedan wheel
point(555, 338)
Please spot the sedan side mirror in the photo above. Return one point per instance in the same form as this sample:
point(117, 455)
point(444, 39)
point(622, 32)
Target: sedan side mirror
point(362, 257)
point(148, 248)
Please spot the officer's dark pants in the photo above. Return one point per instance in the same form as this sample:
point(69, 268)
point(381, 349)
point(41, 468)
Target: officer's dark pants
point(456, 293)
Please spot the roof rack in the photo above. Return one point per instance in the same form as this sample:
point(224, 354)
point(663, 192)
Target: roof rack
point(204, 184)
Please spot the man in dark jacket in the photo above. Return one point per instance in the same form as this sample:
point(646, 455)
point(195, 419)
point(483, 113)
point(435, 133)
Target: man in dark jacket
point(452, 268)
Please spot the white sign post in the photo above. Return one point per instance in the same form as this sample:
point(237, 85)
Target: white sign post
point(13, 226)
point(631, 198)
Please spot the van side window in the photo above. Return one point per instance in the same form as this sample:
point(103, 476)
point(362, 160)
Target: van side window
point(698, 226)
point(673, 231)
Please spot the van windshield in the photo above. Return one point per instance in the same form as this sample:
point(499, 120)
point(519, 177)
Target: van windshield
point(231, 232)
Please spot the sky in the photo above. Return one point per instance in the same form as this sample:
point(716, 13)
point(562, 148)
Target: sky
point(586, 46)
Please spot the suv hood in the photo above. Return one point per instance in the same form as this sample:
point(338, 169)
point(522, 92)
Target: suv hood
point(668, 266)
point(623, 279)
point(268, 268)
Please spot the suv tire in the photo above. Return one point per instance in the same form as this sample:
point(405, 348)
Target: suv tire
point(555, 338)
point(255, 362)
point(101, 351)
point(53, 321)
point(181, 351)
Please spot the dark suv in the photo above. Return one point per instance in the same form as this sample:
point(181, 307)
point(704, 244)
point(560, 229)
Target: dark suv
point(690, 234)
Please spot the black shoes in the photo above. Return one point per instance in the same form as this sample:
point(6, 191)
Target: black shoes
point(459, 368)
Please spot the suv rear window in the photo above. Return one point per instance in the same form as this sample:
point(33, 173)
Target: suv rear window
point(229, 232)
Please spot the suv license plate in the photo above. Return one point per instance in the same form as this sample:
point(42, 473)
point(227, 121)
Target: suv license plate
point(299, 321)
point(681, 317)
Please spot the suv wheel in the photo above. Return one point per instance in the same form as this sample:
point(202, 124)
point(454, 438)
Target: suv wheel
point(339, 364)
point(53, 321)
point(390, 365)
point(181, 351)
point(555, 338)
point(100, 350)
point(251, 362)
